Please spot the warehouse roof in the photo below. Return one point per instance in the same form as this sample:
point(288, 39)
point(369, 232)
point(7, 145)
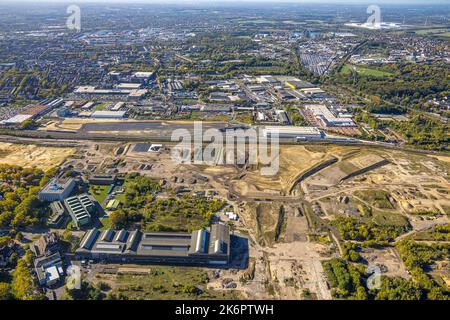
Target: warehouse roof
point(108, 114)
point(293, 130)
point(129, 85)
point(18, 119)
point(214, 242)
point(143, 74)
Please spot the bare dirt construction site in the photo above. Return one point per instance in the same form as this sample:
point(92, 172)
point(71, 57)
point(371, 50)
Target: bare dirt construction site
point(293, 161)
point(287, 218)
point(26, 155)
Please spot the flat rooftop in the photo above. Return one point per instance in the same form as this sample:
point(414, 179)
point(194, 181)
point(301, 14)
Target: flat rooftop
point(57, 185)
point(18, 119)
point(129, 85)
point(212, 242)
point(115, 114)
point(143, 74)
point(292, 130)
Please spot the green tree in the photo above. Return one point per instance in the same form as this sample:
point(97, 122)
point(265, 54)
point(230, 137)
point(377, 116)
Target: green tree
point(118, 219)
point(5, 291)
point(398, 289)
point(23, 286)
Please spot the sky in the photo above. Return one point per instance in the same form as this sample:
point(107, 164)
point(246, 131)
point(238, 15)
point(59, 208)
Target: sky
point(250, 1)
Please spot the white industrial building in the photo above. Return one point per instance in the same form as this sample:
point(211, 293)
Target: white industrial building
point(327, 117)
point(49, 269)
point(118, 106)
point(108, 114)
point(137, 94)
point(17, 119)
point(267, 79)
point(143, 75)
point(260, 116)
point(128, 86)
point(129, 91)
point(285, 132)
point(88, 105)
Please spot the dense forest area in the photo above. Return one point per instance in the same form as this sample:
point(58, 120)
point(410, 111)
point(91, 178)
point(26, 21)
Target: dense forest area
point(418, 131)
point(19, 203)
point(403, 84)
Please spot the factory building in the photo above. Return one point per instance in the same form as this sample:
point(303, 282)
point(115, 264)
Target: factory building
point(33, 112)
point(88, 105)
point(16, 120)
point(88, 91)
point(323, 114)
point(118, 106)
point(108, 114)
point(267, 80)
point(287, 132)
point(202, 247)
point(57, 190)
point(142, 77)
point(129, 86)
point(137, 94)
point(37, 110)
point(81, 208)
point(103, 180)
point(294, 83)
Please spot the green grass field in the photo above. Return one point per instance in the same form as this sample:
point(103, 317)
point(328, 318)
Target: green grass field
point(366, 71)
point(120, 197)
point(246, 118)
point(106, 223)
point(441, 32)
point(445, 35)
point(390, 219)
point(376, 198)
point(101, 106)
point(99, 192)
point(167, 283)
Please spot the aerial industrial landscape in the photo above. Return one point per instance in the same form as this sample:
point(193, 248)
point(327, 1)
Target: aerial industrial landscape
point(224, 151)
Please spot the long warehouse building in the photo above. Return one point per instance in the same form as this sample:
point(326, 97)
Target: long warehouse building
point(293, 132)
point(202, 247)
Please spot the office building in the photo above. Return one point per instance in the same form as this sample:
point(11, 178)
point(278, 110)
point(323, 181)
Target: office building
point(49, 269)
point(57, 190)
